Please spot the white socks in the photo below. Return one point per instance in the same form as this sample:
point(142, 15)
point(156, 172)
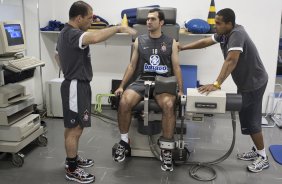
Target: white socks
point(262, 152)
point(124, 137)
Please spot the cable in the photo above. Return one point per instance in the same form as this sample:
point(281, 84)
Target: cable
point(207, 165)
point(196, 166)
point(101, 116)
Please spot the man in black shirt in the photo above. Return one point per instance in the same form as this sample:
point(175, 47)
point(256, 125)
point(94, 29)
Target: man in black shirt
point(75, 62)
point(242, 61)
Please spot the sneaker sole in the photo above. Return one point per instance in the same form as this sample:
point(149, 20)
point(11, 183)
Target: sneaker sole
point(79, 181)
point(256, 171)
point(245, 159)
point(85, 166)
point(119, 160)
point(167, 169)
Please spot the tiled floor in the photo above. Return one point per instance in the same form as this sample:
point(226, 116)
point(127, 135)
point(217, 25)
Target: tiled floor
point(208, 140)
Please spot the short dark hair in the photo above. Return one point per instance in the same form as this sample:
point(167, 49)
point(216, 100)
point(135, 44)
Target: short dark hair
point(160, 13)
point(79, 8)
point(228, 15)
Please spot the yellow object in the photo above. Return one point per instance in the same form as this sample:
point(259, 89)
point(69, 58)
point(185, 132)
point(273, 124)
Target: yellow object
point(217, 85)
point(98, 105)
point(211, 16)
point(124, 21)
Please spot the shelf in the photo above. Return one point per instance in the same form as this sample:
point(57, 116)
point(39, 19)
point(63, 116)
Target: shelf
point(53, 32)
point(90, 30)
point(182, 31)
point(124, 39)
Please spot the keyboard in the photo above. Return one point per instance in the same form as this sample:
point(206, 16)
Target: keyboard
point(24, 63)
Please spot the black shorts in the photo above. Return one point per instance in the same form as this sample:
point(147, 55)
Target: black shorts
point(250, 115)
point(139, 87)
point(76, 100)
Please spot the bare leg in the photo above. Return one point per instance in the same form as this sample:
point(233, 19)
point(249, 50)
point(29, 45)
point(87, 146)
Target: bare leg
point(167, 102)
point(72, 136)
point(258, 140)
point(128, 100)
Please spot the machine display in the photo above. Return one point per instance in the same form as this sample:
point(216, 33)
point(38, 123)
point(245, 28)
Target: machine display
point(12, 38)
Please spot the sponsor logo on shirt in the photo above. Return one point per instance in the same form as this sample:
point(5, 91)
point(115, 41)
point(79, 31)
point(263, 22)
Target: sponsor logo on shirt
point(155, 65)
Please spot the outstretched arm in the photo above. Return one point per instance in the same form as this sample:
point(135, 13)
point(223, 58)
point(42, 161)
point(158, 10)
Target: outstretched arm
point(202, 43)
point(176, 67)
point(104, 34)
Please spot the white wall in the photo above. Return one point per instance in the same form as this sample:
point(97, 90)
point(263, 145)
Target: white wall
point(110, 61)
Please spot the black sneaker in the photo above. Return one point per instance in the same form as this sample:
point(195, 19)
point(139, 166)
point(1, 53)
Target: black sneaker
point(123, 149)
point(80, 176)
point(84, 162)
point(259, 164)
point(252, 155)
point(166, 158)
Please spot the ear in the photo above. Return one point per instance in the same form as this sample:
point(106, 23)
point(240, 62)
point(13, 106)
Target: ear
point(162, 22)
point(79, 18)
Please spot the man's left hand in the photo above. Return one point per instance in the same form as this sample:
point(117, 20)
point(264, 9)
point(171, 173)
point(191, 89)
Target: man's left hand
point(207, 89)
point(180, 93)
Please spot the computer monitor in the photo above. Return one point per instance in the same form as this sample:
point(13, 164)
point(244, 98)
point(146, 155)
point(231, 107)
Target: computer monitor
point(12, 39)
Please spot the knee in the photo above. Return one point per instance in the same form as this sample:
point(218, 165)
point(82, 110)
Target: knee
point(74, 132)
point(168, 105)
point(125, 104)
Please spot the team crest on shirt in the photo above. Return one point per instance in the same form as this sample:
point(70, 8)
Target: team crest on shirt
point(85, 115)
point(163, 47)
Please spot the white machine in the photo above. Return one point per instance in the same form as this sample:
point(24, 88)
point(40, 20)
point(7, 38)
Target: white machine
point(12, 93)
point(53, 98)
point(214, 102)
point(11, 114)
point(21, 129)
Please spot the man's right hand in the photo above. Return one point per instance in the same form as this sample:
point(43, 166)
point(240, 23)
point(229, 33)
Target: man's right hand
point(119, 91)
point(126, 29)
point(179, 47)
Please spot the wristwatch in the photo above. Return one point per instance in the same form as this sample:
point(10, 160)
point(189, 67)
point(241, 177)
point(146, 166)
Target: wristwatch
point(217, 85)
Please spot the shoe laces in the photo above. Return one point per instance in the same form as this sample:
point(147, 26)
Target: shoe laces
point(81, 159)
point(81, 172)
point(259, 162)
point(120, 149)
point(167, 157)
point(250, 154)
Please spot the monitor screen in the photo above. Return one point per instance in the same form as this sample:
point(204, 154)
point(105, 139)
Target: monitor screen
point(12, 38)
point(14, 34)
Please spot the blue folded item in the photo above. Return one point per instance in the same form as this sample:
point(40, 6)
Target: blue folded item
point(53, 25)
point(276, 152)
point(197, 26)
point(132, 21)
point(95, 17)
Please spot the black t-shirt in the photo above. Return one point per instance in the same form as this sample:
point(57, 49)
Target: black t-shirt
point(154, 55)
point(74, 58)
point(249, 73)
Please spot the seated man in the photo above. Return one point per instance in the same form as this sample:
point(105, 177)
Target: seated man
point(153, 54)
